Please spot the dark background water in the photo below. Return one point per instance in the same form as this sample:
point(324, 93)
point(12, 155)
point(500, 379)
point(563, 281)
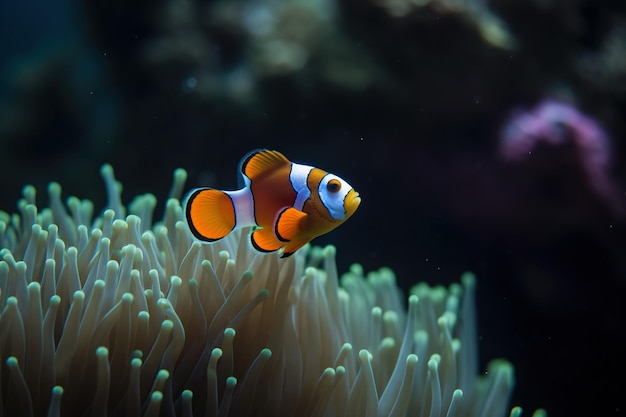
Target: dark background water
point(406, 103)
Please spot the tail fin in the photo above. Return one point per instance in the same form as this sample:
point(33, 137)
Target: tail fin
point(210, 214)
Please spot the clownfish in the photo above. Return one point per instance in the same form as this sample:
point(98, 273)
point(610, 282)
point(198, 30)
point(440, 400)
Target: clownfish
point(287, 204)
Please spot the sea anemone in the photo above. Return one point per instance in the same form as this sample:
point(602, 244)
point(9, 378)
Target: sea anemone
point(116, 315)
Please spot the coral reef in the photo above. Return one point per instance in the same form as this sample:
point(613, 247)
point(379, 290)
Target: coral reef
point(558, 124)
point(120, 315)
point(492, 29)
point(605, 69)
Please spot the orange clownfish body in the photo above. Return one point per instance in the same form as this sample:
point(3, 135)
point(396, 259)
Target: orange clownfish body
point(290, 204)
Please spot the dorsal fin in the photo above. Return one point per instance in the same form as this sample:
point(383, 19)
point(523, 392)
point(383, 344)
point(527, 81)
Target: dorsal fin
point(260, 161)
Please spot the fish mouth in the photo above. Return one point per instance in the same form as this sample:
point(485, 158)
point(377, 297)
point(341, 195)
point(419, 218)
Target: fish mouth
point(352, 201)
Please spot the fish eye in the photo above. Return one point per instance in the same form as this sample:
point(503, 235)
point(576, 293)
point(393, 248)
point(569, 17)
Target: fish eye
point(333, 186)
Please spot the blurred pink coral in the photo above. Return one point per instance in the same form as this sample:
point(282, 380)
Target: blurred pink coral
point(557, 124)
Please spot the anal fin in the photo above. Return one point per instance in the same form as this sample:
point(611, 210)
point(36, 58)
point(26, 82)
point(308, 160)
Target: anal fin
point(264, 240)
point(293, 246)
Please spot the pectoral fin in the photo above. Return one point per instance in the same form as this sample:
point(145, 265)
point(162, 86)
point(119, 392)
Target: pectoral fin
point(289, 223)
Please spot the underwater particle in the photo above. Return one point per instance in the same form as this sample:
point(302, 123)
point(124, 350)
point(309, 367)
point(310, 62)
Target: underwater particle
point(191, 83)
